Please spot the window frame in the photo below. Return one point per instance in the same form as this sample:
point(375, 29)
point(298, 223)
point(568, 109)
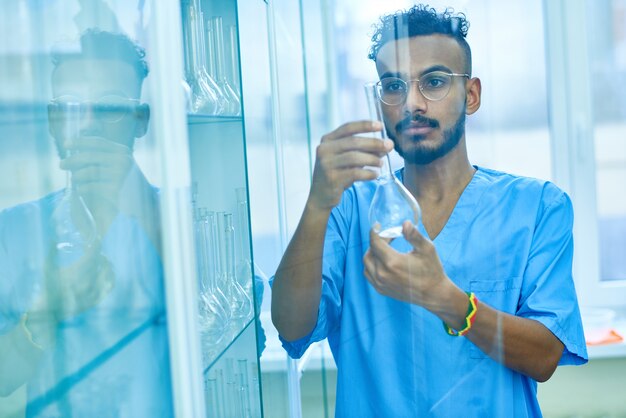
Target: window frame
point(573, 143)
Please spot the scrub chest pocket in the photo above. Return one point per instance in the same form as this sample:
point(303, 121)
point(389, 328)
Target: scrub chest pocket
point(502, 295)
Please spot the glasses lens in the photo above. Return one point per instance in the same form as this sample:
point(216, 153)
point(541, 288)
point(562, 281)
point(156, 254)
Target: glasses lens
point(392, 90)
point(65, 106)
point(435, 85)
point(109, 109)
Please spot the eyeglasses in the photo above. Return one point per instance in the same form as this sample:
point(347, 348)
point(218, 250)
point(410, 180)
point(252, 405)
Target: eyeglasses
point(434, 86)
point(109, 109)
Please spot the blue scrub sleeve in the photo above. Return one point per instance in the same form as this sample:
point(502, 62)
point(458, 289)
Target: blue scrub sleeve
point(548, 293)
point(329, 313)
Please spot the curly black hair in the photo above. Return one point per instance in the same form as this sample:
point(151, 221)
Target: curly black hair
point(98, 44)
point(420, 20)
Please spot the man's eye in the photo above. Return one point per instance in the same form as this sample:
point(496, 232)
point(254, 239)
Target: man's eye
point(394, 87)
point(435, 82)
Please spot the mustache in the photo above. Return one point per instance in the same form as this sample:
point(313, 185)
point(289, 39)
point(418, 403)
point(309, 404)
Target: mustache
point(419, 119)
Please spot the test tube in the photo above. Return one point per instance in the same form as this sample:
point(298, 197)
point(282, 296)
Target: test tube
point(244, 389)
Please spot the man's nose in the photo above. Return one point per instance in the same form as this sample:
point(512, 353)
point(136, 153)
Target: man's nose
point(415, 100)
point(89, 120)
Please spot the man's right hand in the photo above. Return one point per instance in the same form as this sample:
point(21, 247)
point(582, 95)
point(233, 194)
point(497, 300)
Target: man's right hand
point(341, 159)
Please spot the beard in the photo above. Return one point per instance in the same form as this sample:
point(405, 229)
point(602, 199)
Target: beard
point(421, 154)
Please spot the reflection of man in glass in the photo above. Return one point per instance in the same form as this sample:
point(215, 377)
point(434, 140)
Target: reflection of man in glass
point(81, 300)
point(466, 311)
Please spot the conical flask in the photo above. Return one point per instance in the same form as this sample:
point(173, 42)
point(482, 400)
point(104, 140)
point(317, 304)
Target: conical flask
point(215, 38)
point(74, 226)
point(213, 314)
point(240, 302)
point(206, 95)
point(392, 203)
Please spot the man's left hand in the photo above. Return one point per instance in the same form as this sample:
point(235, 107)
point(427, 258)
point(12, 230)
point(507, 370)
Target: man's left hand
point(415, 277)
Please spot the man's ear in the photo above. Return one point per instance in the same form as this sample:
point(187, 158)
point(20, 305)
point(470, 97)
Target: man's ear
point(142, 116)
point(473, 91)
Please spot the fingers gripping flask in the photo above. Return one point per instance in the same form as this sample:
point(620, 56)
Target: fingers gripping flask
point(392, 203)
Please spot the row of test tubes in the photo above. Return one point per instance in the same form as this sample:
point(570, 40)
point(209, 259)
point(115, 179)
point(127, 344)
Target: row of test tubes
point(225, 276)
point(211, 82)
point(233, 390)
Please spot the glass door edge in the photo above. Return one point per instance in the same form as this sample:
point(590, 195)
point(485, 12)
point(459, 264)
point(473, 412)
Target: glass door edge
point(171, 132)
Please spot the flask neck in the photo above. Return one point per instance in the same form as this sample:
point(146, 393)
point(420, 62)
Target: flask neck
point(386, 172)
point(218, 47)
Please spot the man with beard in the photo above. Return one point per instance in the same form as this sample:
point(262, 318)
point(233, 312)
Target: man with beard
point(471, 307)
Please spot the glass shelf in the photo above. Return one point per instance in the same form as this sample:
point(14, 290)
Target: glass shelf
point(29, 112)
point(225, 350)
point(195, 119)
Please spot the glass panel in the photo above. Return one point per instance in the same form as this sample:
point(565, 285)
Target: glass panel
point(509, 132)
point(294, 133)
point(316, 71)
point(607, 48)
point(83, 327)
point(263, 164)
point(293, 159)
point(227, 293)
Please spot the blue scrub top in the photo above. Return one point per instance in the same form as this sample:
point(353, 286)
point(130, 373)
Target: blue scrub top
point(508, 240)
